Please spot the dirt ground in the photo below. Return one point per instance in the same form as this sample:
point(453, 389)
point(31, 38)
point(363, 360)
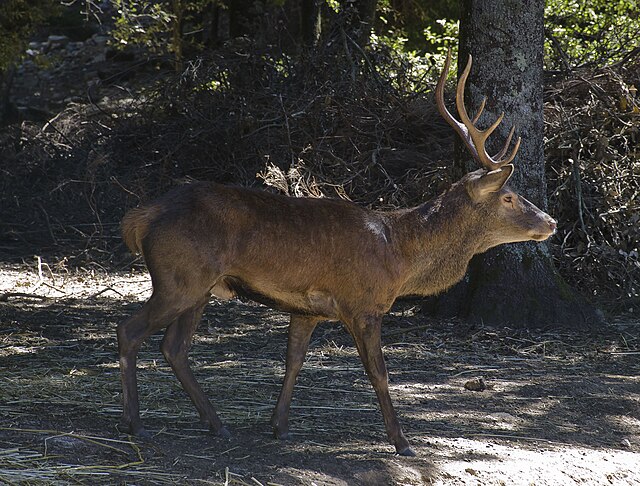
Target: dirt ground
point(560, 407)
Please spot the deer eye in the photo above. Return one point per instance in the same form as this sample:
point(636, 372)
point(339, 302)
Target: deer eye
point(508, 199)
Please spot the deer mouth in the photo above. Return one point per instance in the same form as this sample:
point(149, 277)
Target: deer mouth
point(542, 232)
point(542, 236)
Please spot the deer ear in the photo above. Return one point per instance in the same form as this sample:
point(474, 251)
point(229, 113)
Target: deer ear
point(489, 182)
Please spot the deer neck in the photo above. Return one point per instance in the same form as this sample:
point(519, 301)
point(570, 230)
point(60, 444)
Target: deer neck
point(437, 240)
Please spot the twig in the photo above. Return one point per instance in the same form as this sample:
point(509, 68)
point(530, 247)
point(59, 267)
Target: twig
point(621, 353)
point(46, 219)
point(561, 52)
point(286, 123)
point(517, 437)
point(9, 295)
point(106, 289)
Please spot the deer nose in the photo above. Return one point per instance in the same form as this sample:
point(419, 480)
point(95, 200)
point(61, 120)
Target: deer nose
point(553, 224)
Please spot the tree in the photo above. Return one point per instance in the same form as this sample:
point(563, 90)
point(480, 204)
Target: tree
point(513, 284)
point(311, 21)
point(18, 20)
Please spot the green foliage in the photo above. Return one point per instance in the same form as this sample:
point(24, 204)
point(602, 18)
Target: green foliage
point(408, 69)
point(418, 21)
point(334, 5)
point(161, 27)
point(144, 24)
point(442, 38)
point(418, 34)
point(18, 20)
point(593, 32)
point(577, 32)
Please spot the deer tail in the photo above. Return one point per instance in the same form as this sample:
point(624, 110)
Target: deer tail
point(135, 226)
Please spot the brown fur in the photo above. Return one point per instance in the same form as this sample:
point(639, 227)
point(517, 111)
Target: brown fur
point(314, 258)
point(135, 226)
point(317, 259)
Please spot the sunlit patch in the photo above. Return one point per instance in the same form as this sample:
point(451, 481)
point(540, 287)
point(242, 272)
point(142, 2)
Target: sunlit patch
point(486, 461)
point(42, 285)
point(377, 228)
point(9, 350)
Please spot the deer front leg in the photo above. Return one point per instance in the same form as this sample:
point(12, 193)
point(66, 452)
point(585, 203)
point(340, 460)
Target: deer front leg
point(366, 334)
point(300, 330)
point(175, 348)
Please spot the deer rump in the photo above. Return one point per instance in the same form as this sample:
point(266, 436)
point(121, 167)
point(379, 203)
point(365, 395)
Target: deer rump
point(306, 256)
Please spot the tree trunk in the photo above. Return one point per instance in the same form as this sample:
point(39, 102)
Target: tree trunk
point(513, 284)
point(311, 21)
point(215, 25)
point(8, 113)
point(176, 34)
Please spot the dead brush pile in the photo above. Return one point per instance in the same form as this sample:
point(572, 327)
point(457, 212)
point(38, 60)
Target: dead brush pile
point(337, 122)
point(593, 169)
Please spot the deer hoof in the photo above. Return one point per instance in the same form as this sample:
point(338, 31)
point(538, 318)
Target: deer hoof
point(281, 434)
point(406, 452)
point(143, 433)
point(223, 432)
point(135, 430)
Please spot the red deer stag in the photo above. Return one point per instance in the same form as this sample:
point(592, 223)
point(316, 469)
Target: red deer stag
point(317, 259)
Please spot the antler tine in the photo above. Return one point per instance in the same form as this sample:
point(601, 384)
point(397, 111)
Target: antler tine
point(500, 155)
point(480, 110)
point(508, 160)
point(503, 152)
point(473, 137)
point(462, 110)
point(478, 136)
point(457, 126)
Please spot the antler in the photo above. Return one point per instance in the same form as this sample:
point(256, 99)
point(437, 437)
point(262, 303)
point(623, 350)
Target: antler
point(471, 135)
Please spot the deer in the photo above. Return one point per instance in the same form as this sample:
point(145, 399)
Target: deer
point(318, 259)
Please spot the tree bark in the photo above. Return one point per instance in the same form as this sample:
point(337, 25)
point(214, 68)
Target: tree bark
point(7, 111)
point(311, 21)
point(513, 284)
point(176, 34)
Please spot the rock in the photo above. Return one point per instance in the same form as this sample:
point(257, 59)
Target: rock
point(476, 384)
point(75, 46)
point(503, 417)
point(56, 42)
point(91, 75)
point(100, 40)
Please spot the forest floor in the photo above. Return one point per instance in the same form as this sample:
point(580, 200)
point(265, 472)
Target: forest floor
point(560, 407)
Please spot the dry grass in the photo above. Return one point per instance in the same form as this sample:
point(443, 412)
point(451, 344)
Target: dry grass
point(547, 393)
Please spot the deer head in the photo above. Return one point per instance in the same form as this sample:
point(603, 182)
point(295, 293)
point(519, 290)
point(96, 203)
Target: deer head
point(512, 217)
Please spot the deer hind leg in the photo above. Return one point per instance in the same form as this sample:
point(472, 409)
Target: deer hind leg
point(175, 348)
point(366, 334)
point(300, 331)
point(154, 315)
